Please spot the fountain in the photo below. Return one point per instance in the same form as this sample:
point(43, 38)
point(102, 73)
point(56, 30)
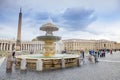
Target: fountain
point(49, 59)
point(49, 39)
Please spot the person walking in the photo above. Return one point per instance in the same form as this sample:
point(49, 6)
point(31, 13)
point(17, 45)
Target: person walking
point(103, 53)
point(110, 51)
point(96, 57)
point(13, 54)
point(82, 53)
point(99, 52)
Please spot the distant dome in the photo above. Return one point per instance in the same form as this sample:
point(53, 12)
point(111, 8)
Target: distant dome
point(49, 26)
point(34, 39)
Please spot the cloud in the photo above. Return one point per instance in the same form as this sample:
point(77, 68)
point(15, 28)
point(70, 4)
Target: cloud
point(78, 18)
point(71, 18)
point(105, 30)
point(42, 16)
point(75, 18)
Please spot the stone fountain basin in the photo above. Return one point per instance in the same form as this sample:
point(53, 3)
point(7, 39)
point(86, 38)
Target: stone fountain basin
point(52, 38)
point(54, 62)
point(40, 56)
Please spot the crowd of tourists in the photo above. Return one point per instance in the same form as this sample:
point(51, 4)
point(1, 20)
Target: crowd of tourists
point(99, 53)
point(95, 54)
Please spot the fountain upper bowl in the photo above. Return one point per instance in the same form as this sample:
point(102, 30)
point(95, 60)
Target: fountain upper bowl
point(52, 38)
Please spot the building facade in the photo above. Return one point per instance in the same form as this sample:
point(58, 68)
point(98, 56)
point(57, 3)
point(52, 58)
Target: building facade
point(68, 45)
point(76, 45)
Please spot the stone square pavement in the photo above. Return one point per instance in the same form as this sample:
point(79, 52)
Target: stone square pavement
point(107, 68)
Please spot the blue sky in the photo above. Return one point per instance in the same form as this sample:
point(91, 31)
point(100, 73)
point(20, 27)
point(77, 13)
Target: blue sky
point(78, 19)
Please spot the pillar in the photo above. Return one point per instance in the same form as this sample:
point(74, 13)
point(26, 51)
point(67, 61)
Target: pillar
point(1, 46)
point(10, 46)
point(25, 46)
point(4, 46)
point(7, 47)
point(28, 47)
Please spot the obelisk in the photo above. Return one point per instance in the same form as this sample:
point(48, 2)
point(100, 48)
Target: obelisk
point(18, 41)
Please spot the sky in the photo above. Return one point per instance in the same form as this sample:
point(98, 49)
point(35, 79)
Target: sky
point(76, 19)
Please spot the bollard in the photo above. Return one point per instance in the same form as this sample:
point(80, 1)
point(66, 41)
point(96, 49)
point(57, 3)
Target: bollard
point(63, 63)
point(79, 61)
point(9, 64)
point(23, 64)
point(39, 65)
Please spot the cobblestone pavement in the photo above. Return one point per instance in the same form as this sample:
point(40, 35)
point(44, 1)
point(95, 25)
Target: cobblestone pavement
point(103, 70)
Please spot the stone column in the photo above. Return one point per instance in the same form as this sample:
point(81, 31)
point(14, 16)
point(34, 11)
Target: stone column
point(25, 46)
point(1, 46)
point(40, 46)
point(31, 47)
point(21, 46)
point(37, 46)
point(34, 47)
point(28, 47)
point(4, 46)
point(7, 47)
point(10, 46)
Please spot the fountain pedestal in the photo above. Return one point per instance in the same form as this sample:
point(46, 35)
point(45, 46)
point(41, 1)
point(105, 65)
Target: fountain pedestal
point(49, 48)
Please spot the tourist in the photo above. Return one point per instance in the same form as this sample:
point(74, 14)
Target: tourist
point(13, 53)
point(95, 57)
point(99, 52)
point(91, 52)
point(82, 53)
point(110, 51)
point(31, 52)
point(103, 53)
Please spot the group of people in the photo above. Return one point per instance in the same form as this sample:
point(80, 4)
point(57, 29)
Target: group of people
point(99, 53)
point(93, 54)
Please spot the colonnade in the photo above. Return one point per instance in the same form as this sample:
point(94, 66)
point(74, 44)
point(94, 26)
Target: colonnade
point(8, 45)
point(30, 47)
